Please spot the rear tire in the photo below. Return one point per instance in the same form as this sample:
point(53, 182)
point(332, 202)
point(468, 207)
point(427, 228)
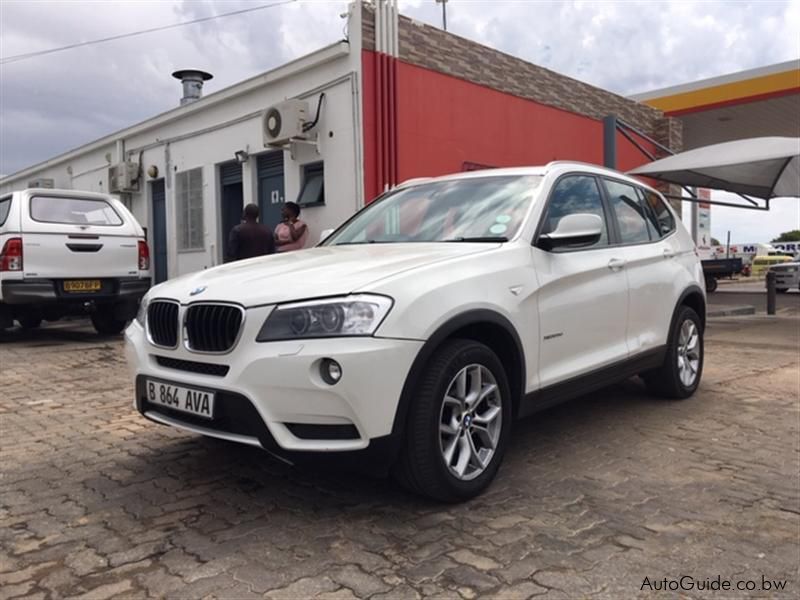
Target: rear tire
point(458, 425)
point(106, 324)
point(678, 377)
point(30, 321)
point(711, 284)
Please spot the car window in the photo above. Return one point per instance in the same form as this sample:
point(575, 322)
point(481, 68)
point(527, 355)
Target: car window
point(572, 195)
point(470, 209)
point(653, 227)
point(77, 211)
point(629, 212)
point(666, 222)
point(5, 207)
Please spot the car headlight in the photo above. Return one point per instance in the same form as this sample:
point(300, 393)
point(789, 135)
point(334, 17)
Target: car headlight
point(334, 317)
point(141, 314)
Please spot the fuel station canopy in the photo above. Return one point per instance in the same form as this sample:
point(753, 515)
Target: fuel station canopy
point(765, 167)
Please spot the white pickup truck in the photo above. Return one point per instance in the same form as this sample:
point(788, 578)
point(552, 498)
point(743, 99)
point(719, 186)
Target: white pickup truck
point(66, 252)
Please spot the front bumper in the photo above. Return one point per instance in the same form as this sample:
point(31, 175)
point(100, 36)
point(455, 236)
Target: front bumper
point(272, 394)
point(47, 291)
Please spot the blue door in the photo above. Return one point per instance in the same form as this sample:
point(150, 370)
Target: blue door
point(270, 187)
point(158, 241)
point(231, 199)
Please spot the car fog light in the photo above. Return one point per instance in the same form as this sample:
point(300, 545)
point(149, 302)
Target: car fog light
point(330, 371)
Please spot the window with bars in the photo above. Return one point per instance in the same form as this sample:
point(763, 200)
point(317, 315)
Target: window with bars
point(189, 209)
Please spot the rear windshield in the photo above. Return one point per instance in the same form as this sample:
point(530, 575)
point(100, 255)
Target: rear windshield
point(73, 211)
point(5, 207)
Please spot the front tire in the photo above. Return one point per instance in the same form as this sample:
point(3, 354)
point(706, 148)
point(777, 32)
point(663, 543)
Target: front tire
point(458, 425)
point(678, 377)
point(106, 324)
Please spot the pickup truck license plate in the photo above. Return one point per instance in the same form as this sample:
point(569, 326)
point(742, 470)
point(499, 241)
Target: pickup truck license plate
point(82, 285)
point(184, 399)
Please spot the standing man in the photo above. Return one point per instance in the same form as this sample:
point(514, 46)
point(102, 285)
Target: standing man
point(291, 234)
point(250, 238)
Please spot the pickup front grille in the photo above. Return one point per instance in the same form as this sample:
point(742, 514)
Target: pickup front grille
point(212, 327)
point(162, 323)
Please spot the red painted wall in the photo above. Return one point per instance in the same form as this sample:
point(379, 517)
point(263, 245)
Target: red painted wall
point(370, 125)
point(444, 122)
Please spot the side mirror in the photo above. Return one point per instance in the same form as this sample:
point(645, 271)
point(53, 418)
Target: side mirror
point(325, 233)
point(580, 229)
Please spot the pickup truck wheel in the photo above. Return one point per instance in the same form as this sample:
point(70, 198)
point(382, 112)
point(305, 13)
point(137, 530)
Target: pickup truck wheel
point(680, 374)
point(106, 324)
point(29, 321)
point(711, 284)
point(458, 425)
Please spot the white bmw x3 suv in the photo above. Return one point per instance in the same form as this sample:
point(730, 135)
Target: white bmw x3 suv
point(428, 322)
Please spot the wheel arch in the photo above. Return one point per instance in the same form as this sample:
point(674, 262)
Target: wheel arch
point(481, 325)
point(694, 298)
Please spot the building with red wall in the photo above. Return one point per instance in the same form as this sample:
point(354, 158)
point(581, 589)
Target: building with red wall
point(434, 103)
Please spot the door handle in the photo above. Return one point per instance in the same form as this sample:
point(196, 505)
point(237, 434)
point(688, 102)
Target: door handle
point(668, 253)
point(615, 264)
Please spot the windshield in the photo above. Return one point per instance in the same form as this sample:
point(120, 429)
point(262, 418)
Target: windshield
point(484, 209)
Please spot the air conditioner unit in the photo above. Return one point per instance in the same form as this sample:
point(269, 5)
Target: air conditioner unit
point(123, 177)
point(42, 182)
point(284, 122)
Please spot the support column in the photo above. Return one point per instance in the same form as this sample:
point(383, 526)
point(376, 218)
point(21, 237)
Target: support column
point(610, 141)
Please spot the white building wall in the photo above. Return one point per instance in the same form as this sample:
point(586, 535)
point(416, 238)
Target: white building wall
point(210, 131)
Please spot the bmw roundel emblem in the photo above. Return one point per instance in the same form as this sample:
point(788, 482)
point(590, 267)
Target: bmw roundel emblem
point(198, 290)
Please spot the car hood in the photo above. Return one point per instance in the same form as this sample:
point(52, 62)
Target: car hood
point(312, 273)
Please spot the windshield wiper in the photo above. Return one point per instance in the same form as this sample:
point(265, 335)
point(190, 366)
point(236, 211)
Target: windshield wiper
point(364, 242)
point(486, 238)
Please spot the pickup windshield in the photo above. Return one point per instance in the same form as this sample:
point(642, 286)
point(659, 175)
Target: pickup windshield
point(474, 209)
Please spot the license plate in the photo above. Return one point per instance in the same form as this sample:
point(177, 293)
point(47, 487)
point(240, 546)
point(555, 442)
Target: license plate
point(82, 285)
point(188, 400)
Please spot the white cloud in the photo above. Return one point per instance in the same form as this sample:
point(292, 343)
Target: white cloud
point(751, 225)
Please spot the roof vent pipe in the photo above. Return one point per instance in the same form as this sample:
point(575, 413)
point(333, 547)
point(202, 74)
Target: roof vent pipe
point(192, 80)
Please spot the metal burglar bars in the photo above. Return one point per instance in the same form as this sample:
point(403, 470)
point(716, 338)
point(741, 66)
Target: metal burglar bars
point(162, 323)
point(212, 328)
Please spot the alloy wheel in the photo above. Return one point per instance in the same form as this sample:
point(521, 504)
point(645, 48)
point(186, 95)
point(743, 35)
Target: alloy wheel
point(470, 422)
point(688, 352)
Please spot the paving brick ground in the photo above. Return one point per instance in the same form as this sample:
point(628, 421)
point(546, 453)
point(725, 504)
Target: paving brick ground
point(595, 495)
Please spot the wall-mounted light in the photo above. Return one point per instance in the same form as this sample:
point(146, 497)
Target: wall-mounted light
point(242, 156)
point(152, 171)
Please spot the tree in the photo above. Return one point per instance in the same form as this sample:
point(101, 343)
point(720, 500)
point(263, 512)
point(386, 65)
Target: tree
point(789, 236)
point(715, 242)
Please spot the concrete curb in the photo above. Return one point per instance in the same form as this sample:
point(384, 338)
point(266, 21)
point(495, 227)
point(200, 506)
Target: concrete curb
point(730, 311)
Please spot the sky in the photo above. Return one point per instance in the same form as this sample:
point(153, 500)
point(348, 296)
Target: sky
point(52, 103)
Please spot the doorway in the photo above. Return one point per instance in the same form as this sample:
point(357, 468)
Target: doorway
point(231, 201)
point(158, 241)
point(270, 187)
